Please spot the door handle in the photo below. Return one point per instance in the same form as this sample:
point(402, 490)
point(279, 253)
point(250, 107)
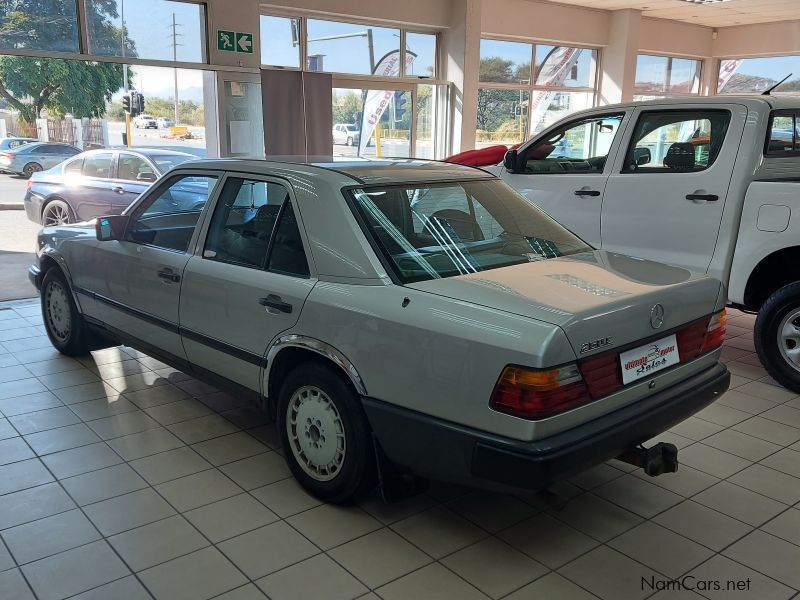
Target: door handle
point(169, 276)
point(698, 197)
point(118, 190)
point(276, 302)
point(587, 193)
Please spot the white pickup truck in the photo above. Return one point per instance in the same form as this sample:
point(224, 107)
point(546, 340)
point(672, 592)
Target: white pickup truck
point(711, 184)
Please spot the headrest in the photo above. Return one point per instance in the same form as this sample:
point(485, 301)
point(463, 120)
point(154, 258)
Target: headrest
point(680, 156)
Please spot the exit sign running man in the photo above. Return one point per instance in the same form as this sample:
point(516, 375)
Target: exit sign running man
point(234, 41)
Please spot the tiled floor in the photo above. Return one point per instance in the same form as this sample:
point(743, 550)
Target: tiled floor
point(123, 478)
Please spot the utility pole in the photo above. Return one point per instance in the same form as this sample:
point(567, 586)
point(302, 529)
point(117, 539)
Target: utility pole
point(175, 45)
point(122, 35)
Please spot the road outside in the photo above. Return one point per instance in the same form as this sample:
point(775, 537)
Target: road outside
point(17, 246)
point(12, 189)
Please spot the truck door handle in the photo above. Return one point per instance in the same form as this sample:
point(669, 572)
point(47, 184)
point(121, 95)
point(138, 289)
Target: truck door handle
point(276, 302)
point(118, 190)
point(169, 275)
point(706, 197)
point(587, 193)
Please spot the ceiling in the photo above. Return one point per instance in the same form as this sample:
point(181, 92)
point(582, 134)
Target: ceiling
point(717, 14)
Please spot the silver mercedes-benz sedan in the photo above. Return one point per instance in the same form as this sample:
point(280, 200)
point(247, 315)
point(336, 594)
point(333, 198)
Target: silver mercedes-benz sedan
point(399, 319)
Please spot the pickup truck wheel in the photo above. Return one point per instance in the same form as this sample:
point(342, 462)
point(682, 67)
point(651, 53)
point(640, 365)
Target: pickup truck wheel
point(62, 321)
point(777, 336)
point(325, 434)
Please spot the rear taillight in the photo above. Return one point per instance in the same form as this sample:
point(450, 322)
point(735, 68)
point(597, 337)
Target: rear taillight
point(30, 183)
point(715, 333)
point(10, 156)
point(536, 393)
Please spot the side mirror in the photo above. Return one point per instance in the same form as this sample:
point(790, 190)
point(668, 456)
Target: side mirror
point(642, 156)
point(110, 228)
point(510, 160)
point(148, 176)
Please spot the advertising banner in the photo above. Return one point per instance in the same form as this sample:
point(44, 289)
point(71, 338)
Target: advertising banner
point(377, 101)
point(727, 69)
point(553, 71)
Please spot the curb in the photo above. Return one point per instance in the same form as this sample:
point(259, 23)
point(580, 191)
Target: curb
point(12, 206)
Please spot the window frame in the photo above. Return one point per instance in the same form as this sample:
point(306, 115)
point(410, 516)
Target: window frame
point(668, 94)
point(639, 114)
point(112, 168)
point(210, 210)
point(532, 87)
point(121, 154)
point(783, 112)
point(137, 208)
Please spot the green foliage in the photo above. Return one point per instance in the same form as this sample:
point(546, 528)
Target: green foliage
point(346, 106)
point(189, 112)
point(496, 106)
point(61, 86)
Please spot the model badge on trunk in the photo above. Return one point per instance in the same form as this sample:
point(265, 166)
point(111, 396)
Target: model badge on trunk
point(589, 346)
point(657, 316)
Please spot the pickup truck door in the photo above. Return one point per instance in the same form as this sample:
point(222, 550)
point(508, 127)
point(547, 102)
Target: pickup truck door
point(248, 281)
point(665, 198)
point(564, 171)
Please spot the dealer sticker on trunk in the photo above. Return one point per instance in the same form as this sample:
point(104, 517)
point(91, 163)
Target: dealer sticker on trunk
point(646, 360)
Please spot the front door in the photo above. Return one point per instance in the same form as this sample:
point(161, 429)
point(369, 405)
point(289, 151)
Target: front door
point(666, 196)
point(565, 171)
point(139, 277)
point(249, 282)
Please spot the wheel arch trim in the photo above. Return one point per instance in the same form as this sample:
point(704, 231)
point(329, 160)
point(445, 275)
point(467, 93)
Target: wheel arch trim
point(61, 263)
point(319, 347)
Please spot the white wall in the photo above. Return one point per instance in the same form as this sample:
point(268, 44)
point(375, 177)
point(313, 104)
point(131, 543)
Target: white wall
point(761, 39)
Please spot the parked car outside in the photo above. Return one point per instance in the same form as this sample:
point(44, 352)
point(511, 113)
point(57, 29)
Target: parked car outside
point(348, 135)
point(97, 182)
point(394, 317)
point(31, 158)
point(709, 184)
point(9, 143)
point(165, 122)
point(145, 122)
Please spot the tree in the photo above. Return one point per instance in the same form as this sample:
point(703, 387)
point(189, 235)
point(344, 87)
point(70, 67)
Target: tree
point(346, 107)
point(61, 86)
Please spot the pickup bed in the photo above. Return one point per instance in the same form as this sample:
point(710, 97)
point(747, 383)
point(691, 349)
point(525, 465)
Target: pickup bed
point(711, 184)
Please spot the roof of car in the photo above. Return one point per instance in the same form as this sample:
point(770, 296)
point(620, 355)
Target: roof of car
point(776, 102)
point(388, 170)
point(144, 151)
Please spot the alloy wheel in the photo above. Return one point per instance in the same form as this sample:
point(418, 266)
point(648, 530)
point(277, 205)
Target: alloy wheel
point(57, 311)
point(316, 433)
point(789, 339)
point(55, 214)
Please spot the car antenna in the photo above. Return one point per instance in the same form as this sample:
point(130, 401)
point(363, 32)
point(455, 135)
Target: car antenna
point(766, 92)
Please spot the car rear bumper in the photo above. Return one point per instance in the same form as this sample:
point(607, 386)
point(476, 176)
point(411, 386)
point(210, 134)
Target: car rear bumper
point(33, 207)
point(446, 451)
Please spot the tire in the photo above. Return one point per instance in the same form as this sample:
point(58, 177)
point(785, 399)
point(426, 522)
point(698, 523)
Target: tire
point(64, 324)
point(349, 141)
point(777, 336)
point(31, 168)
point(56, 212)
point(334, 469)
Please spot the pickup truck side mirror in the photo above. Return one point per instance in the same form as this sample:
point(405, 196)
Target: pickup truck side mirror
point(111, 228)
point(642, 156)
point(510, 161)
point(148, 176)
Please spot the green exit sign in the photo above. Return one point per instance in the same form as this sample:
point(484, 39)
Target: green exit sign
point(234, 41)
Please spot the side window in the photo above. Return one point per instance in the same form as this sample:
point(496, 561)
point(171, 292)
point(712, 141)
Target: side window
point(576, 148)
point(784, 135)
point(167, 218)
point(676, 141)
point(134, 168)
point(98, 165)
point(243, 222)
point(287, 255)
point(74, 167)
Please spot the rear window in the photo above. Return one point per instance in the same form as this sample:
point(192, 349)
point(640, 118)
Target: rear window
point(165, 162)
point(432, 231)
point(783, 135)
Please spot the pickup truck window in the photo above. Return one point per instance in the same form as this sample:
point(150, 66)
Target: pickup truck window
point(579, 147)
point(673, 141)
point(783, 134)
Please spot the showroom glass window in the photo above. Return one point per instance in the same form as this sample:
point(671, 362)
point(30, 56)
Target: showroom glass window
point(280, 41)
point(665, 76)
point(525, 88)
point(56, 31)
point(147, 29)
point(336, 47)
point(755, 75)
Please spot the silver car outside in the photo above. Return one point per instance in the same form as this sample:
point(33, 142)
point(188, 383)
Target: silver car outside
point(363, 370)
point(37, 156)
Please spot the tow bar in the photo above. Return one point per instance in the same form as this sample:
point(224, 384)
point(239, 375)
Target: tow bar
point(658, 459)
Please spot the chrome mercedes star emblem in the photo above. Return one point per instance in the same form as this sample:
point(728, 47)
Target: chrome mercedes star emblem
point(657, 316)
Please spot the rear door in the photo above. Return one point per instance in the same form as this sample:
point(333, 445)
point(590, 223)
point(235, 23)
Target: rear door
point(90, 194)
point(134, 174)
point(665, 199)
point(248, 282)
point(565, 171)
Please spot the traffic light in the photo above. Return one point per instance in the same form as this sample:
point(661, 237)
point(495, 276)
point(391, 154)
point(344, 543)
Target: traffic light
point(399, 106)
point(140, 102)
point(126, 102)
